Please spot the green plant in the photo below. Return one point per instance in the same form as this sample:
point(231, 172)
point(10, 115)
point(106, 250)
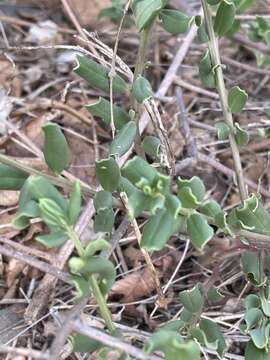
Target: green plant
point(143, 187)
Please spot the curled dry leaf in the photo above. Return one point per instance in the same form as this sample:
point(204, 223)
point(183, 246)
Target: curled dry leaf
point(14, 268)
point(134, 286)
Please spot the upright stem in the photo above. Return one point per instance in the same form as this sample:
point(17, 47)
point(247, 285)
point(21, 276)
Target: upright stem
point(215, 57)
point(139, 68)
point(100, 299)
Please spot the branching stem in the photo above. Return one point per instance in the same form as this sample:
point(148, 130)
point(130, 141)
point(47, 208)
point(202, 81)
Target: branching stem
point(215, 57)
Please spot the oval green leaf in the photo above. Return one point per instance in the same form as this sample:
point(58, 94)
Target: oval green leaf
point(124, 139)
point(108, 173)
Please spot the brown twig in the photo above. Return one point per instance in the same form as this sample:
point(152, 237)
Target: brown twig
point(30, 353)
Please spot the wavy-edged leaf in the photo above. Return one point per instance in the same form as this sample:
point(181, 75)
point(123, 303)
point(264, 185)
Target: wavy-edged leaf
point(260, 336)
point(124, 139)
point(199, 231)
point(192, 300)
point(253, 217)
point(252, 318)
point(237, 99)
point(97, 75)
point(196, 186)
point(251, 267)
point(11, 178)
point(214, 295)
point(102, 109)
point(173, 205)
point(55, 149)
point(108, 173)
point(209, 335)
point(94, 246)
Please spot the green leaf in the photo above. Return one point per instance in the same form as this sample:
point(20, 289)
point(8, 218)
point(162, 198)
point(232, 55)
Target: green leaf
point(260, 336)
point(253, 217)
point(102, 109)
point(75, 203)
point(241, 135)
point(202, 37)
point(138, 202)
point(82, 287)
point(104, 220)
point(108, 173)
point(95, 246)
point(139, 172)
point(237, 99)
point(97, 76)
point(173, 205)
point(214, 295)
point(224, 17)
point(213, 2)
point(206, 72)
point(159, 229)
point(192, 300)
point(124, 139)
point(103, 200)
point(81, 343)
point(174, 21)
point(252, 301)
point(199, 230)
point(251, 267)
point(52, 240)
point(243, 5)
point(223, 130)
point(22, 219)
point(95, 265)
point(142, 89)
point(210, 208)
point(210, 336)
point(252, 318)
point(52, 214)
point(56, 149)
point(11, 178)
point(172, 345)
point(252, 352)
point(196, 191)
point(145, 11)
point(152, 147)
point(38, 187)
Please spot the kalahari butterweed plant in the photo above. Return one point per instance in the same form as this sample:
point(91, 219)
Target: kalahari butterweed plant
point(143, 188)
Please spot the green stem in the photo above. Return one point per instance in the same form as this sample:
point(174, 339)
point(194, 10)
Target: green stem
point(215, 57)
point(103, 307)
point(100, 299)
point(140, 63)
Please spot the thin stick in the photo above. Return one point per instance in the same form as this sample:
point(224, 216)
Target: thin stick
point(111, 341)
point(215, 56)
point(34, 354)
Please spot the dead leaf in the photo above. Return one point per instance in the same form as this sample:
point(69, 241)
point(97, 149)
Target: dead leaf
point(9, 78)
point(9, 198)
point(87, 15)
point(134, 286)
point(14, 268)
point(7, 231)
